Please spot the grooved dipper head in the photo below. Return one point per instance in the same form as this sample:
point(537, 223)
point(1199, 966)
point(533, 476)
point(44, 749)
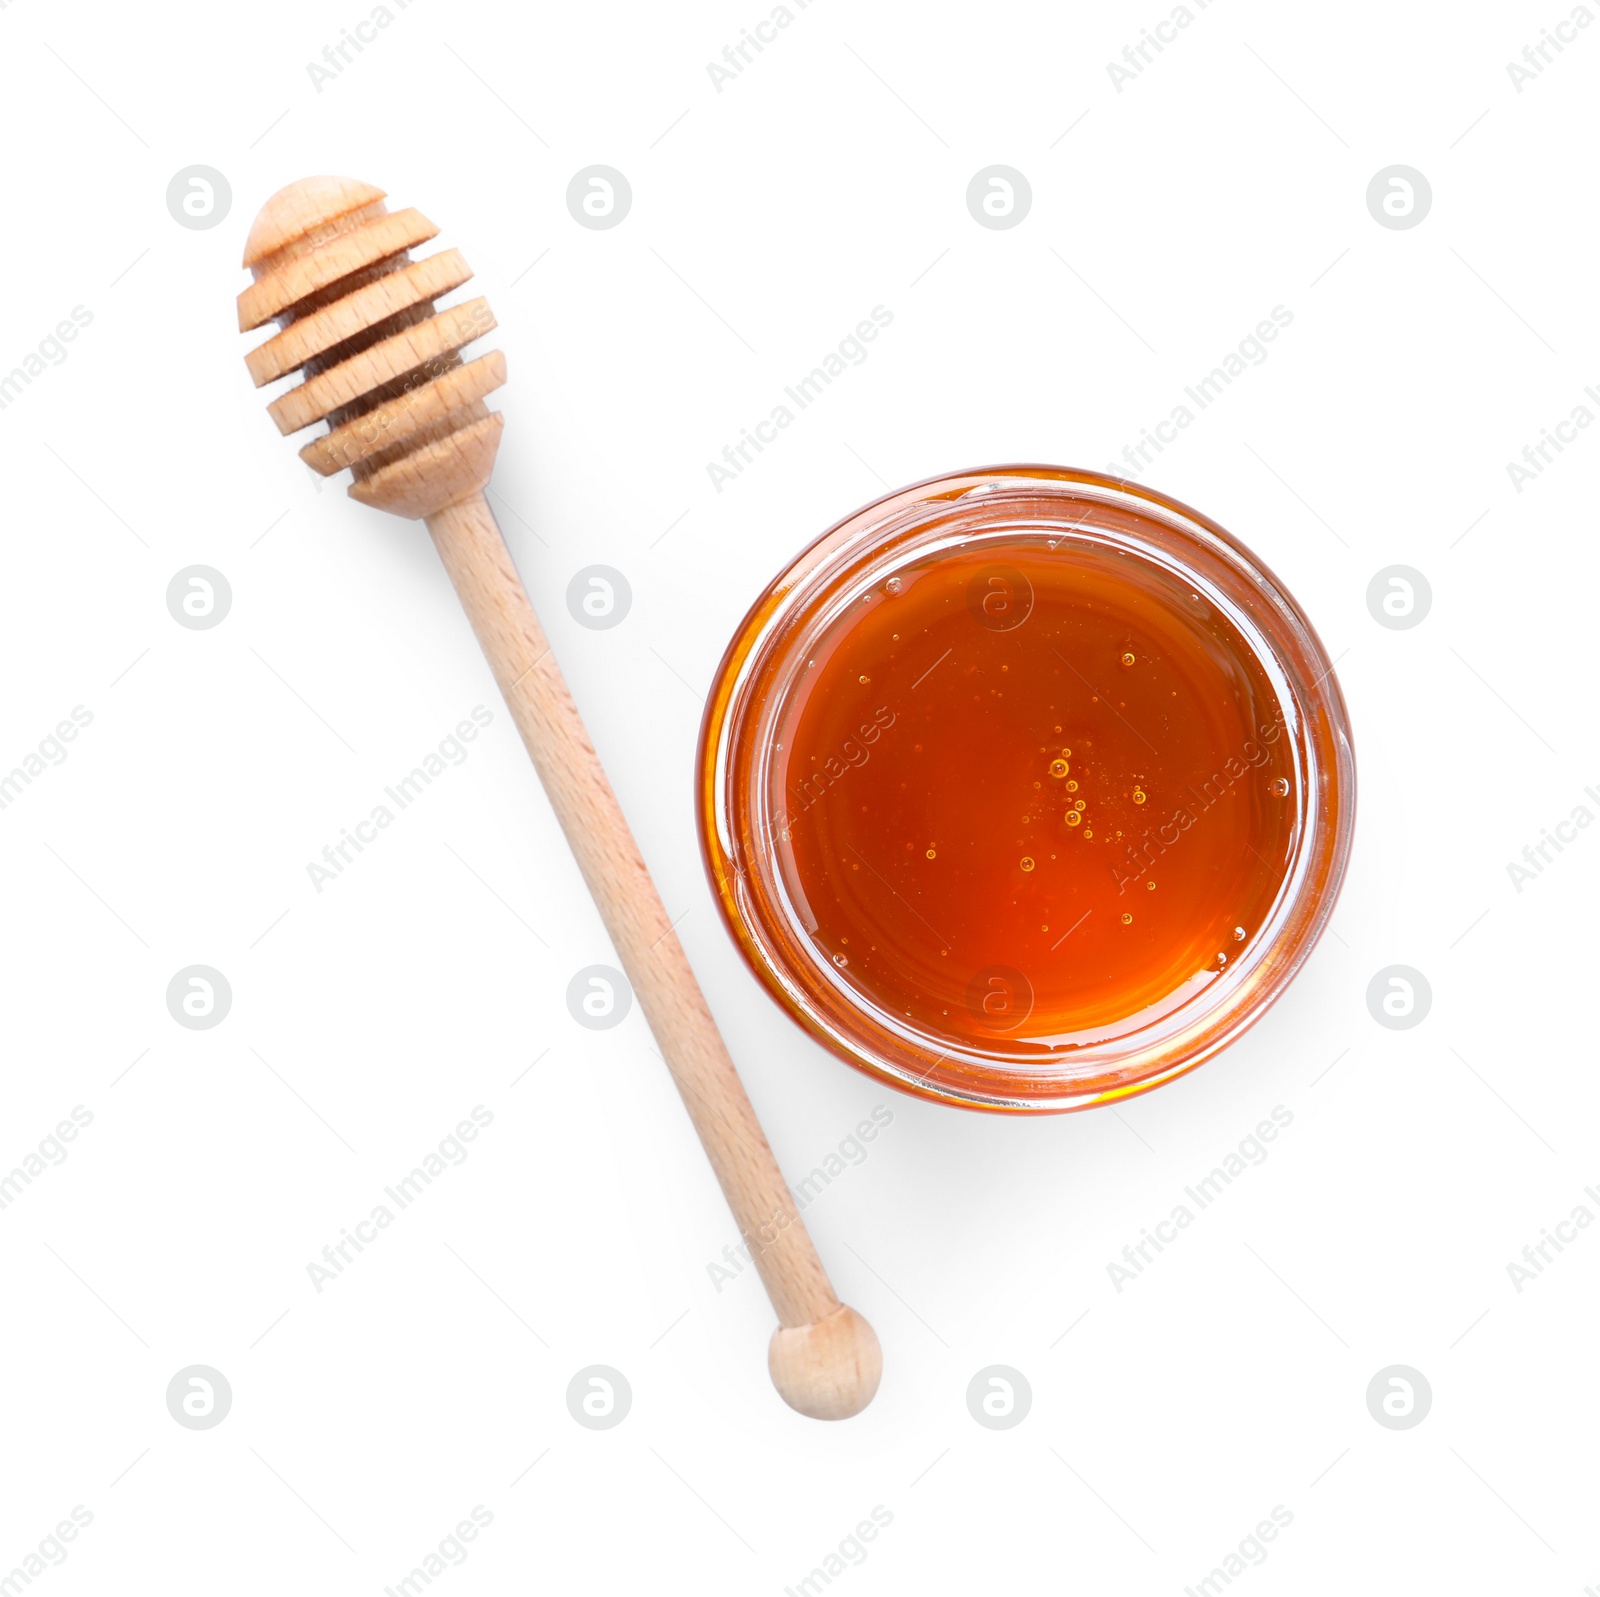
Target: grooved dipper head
point(332, 266)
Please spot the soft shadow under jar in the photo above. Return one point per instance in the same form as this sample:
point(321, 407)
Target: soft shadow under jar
point(1026, 789)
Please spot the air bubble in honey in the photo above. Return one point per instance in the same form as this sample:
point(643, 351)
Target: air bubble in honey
point(1059, 768)
point(1138, 795)
point(1027, 862)
point(1127, 919)
point(1280, 788)
point(1127, 657)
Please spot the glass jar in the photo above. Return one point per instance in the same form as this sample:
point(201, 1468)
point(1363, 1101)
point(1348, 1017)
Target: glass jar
point(1004, 1056)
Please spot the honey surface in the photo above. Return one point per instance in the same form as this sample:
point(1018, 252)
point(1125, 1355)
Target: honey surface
point(1032, 796)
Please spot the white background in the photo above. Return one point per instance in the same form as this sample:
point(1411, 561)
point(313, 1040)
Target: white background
point(829, 177)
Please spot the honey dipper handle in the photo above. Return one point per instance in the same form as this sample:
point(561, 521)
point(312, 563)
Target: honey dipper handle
point(824, 1358)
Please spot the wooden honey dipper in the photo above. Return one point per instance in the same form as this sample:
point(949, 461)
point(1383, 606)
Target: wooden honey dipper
point(407, 415)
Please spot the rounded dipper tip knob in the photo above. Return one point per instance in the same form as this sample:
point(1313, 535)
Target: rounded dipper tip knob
point(829, 1369)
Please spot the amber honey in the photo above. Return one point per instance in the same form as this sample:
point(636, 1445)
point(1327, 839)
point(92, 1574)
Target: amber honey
point(1026, 789)
point(1032, 793)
